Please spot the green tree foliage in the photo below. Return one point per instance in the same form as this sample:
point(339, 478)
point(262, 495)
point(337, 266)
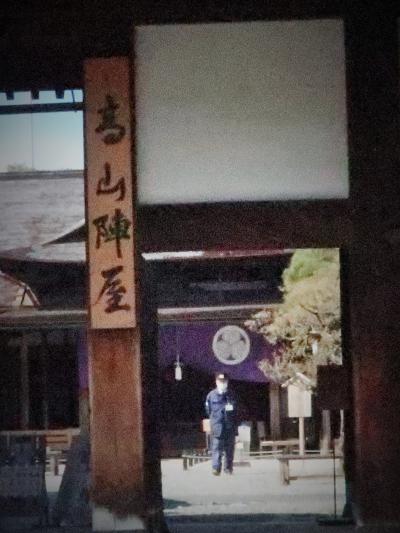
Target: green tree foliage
point(305, 328)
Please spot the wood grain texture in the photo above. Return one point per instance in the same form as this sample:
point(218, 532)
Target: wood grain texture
point(373, 262)
point(108, 193)
point(116, 420)
point(245, 226)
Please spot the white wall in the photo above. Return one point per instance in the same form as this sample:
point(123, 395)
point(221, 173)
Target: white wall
point(241, 111)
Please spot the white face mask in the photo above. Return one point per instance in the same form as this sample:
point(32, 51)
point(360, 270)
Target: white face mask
point(222, 387)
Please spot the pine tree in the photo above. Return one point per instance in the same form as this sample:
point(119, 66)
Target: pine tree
point(305, 329)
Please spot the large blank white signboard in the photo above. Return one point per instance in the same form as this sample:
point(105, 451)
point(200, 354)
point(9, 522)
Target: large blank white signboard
point(241, 111)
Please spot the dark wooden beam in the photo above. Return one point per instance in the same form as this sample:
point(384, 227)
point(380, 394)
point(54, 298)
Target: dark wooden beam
point(197, 11)
point(40, 108)
point(57, 39)
point(245, 225)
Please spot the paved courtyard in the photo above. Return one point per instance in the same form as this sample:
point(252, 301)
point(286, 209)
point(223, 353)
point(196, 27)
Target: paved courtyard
point(252, 500)
point(254, 488)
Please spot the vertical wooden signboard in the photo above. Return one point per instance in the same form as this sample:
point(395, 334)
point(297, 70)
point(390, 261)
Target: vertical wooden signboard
point(109, 194)
point(116, 434)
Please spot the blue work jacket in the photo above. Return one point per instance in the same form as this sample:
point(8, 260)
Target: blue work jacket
point(223, 421)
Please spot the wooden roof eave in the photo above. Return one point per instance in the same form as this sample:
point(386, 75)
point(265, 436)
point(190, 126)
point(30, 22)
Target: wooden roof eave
point(43, 255)
point(17, 319)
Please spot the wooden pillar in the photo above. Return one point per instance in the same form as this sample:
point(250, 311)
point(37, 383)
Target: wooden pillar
point(275, 411)
point(116, 429)
point(83, 384)
point(326, 432)
point(44, 354)
point(302, 438)
point(24, 365)
point(116, 433)
point(374, 260)
point(150, 274)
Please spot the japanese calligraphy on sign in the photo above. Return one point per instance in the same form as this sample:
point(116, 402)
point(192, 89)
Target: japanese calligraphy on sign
point(110, 219)
point(113, 230)
point(113, 289)
point(110, 129)
point(104, 185)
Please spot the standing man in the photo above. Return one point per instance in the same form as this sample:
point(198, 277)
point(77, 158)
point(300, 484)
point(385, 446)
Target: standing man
point(221, 407)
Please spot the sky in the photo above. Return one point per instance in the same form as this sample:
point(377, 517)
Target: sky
point(43, 141)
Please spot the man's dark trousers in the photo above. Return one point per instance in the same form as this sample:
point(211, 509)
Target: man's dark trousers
point(221, 407)
point(220, 445)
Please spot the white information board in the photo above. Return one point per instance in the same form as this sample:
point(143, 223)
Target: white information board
point(299, 402)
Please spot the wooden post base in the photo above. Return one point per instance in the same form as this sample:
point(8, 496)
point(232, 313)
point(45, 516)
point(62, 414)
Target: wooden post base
point(103, 520)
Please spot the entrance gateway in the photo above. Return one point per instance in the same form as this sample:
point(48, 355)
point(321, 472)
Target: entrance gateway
point(266, 225)
point(111, 220)
point(364, 225)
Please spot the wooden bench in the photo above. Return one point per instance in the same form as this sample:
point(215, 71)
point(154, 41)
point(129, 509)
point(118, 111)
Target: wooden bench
point(285, 458)
point(57, 442)
point(193, 457)
point(286, 445)
point(60, 439)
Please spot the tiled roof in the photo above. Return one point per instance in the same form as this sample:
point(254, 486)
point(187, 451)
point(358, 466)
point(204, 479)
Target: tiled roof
point(38, 207)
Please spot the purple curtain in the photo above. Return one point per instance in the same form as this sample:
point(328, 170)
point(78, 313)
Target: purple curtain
point(193, 342)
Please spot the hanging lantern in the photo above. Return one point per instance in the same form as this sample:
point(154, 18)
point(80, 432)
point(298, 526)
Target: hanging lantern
point(178, 371)
point(178, 366)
